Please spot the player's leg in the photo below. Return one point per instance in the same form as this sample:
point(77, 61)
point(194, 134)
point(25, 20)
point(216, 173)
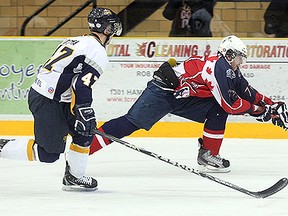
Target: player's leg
point(149, 108)
point(77, 159)
point(209, 112)
point(17, 149)
point(119, 127)
point(25, 149)
point(213, 134)
point(214, 128)
point(76, 163)
point(50, 130)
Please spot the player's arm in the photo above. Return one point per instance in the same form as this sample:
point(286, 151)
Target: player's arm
point(82, 87)
point(264, 108)
point(170, 10)
point(222, 82)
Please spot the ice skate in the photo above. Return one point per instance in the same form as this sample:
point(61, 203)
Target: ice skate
point(208, 163)
point(71, 183)
point(3, 142)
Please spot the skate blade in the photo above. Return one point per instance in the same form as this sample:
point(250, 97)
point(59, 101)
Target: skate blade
point(78, 188)
point(209, 169)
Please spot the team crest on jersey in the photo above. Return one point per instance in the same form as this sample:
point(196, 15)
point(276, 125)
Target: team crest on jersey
point(78, 69)
point(50, 90)
point(230, 74)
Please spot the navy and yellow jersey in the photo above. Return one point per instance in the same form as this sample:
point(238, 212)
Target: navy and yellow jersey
point(213, 77)
point(74, 67)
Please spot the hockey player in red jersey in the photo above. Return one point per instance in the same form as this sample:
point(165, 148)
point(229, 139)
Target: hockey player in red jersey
point(201, 89)
point(60, 101)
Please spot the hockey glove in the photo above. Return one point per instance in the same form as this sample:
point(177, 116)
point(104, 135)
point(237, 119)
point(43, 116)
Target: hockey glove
point(280, 113)
point(278, 122)
point(184, 92)
point(85, 119)
point(266, 115)
point(188, 88)
point(166, 75)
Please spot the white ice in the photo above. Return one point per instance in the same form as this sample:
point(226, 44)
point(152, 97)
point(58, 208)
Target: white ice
point(133, 184)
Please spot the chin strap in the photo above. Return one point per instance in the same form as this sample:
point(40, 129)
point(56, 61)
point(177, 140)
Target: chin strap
point(107, 39)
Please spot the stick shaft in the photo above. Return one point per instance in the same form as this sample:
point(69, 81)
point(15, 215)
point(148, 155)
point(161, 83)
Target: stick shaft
point(275, 188)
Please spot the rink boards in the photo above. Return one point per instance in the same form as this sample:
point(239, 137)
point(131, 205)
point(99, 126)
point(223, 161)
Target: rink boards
point(132, 62)
point(170, 129)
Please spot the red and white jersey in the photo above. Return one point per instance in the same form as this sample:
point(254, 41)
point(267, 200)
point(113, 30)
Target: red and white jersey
point(213, 77)
point(75, 65)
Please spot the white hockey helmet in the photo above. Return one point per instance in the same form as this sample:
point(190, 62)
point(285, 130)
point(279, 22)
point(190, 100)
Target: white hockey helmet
point(232, 46)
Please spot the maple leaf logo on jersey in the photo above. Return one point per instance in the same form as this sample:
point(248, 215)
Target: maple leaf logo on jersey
point(209, 70)
point(209, 84)
point(141, 49)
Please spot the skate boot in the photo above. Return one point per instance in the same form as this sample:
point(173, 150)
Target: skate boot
point(71, 183)
point(3, 142)
point(209, 163)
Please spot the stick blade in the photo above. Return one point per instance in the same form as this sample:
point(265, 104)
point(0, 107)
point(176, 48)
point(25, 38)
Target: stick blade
point(282, 183)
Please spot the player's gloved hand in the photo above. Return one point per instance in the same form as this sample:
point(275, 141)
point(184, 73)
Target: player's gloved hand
point(187, 89)
point(278, 122)
point(184, 92)
point(166, 75)
point(280, 115)
point(266, 114)
point(85, 119)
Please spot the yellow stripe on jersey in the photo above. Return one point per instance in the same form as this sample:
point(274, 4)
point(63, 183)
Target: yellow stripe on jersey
point(79, 149)
point(72, 104)
point(30, 152)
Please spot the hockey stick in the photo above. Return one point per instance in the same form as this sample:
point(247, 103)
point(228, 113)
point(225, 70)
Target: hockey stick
point(282, 183)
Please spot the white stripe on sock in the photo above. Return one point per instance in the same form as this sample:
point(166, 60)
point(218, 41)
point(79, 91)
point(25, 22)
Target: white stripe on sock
point(213, 136)
point(101, 141)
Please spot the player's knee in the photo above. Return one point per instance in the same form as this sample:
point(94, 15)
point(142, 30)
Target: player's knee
point(223, 116)
point(46, 157)
point(82, 141)
point(218, 113)
point(119, 127)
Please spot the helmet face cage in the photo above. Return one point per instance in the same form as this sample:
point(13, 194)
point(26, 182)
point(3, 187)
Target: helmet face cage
point(113, 28)
point(104, 21)
point(231, 47)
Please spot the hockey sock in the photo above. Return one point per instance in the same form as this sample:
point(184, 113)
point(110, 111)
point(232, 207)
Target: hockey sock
point(19, 149)
point(212, 140)
point(119, 128)
point(77, 158)
point(98, 142)
point(214, 129)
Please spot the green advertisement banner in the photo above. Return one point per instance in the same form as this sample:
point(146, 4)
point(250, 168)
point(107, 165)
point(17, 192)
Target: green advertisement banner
point(20, 62)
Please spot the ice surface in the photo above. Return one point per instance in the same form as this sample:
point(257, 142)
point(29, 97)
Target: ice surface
point(133, 184)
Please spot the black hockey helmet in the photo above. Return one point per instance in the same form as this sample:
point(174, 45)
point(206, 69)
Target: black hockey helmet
point(105, 21)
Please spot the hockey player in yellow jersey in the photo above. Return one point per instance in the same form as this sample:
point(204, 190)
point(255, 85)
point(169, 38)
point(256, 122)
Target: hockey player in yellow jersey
point(60, 101)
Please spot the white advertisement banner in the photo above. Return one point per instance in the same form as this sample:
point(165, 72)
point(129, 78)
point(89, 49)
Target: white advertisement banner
point(133, 61)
